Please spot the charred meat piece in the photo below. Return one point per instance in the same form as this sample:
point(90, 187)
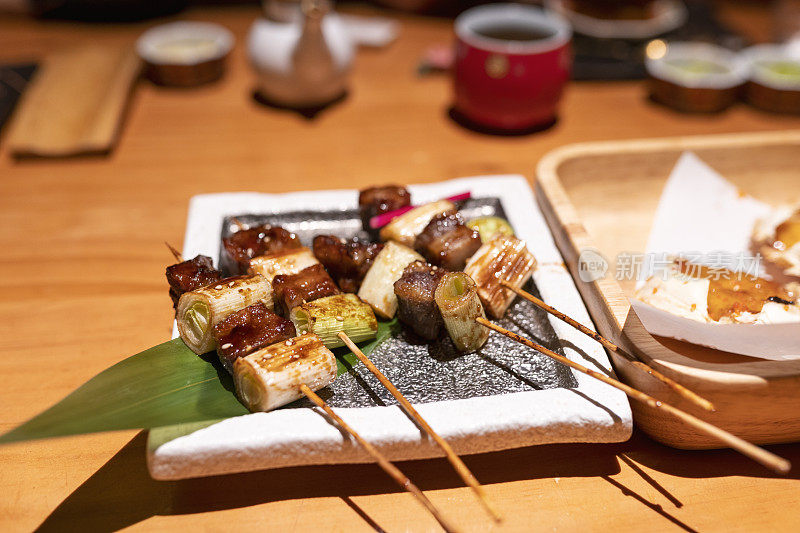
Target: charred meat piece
point(309, 284)
point(378, 200)
point(248, 330)
point(190, 275)
point(246, 244)
point(416, 300)
point(447, 242)
point(347, 260)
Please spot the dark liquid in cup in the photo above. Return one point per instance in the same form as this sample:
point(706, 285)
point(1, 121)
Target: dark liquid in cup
point(512, 31)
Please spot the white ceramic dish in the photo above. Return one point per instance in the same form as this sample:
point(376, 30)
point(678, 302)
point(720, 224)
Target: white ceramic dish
point(184, 43)
point(760, 55)
point(592, 412)
point(733, 68)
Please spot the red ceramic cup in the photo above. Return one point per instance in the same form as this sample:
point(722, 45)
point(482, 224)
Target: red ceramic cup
point(512, 62)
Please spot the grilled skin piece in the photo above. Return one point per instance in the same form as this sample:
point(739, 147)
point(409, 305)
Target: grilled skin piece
point(246, 244)
point(416, 303)
point(190, 275)
point(379, 200)
point(250, 329)
point(503, 258)
point(200, 309)
point(347, 260)
point(271, 377)
point(291, 290)
point(447, 242)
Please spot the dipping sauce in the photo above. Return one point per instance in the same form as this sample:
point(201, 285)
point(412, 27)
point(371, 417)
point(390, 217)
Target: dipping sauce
point(787, 234)
point(732, 293)
point(187, 50)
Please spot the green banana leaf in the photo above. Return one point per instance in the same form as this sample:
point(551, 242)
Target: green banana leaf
point(163, 386)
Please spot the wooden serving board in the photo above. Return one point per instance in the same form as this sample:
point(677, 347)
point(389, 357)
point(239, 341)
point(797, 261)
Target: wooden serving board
point(75, 103)
point(604, 196)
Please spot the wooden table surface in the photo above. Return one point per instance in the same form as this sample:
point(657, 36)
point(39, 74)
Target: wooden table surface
point(82, 287)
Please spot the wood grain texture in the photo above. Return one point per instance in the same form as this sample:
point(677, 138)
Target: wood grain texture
point(755, 399)
point(83, 263)
point(75, 103)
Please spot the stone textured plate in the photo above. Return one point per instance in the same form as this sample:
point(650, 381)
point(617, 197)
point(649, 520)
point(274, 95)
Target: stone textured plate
point(504, 396)
point(430, 372)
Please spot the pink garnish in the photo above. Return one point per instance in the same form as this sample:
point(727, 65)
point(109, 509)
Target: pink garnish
point(379, 221)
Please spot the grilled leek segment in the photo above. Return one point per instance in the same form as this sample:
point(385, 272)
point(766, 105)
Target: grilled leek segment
point(377, 289)
point(289, 261)
point(503, 258)
point(271, 377)
point(405, 228)
point(199, 310)
point(458, 301)
point(327, 317)
point(488, 227)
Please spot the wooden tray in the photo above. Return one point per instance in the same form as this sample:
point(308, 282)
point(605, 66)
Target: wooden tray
point(604, 196)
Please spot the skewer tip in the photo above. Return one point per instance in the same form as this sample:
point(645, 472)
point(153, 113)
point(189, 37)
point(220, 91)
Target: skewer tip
point(784, 466)
point(175, 253)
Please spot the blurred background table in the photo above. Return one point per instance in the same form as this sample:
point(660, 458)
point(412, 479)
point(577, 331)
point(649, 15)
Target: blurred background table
point(82, 287)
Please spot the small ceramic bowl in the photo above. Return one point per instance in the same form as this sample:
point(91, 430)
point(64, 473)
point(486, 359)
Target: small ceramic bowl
point(774, 83)
point(185, 54)
point(694, 77)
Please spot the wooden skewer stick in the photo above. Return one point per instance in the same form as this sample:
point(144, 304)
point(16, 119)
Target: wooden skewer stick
point(454, 459)
point(674, 385)
point(394, 472)
point(239, 224)
point(175, 253)
point(768, 459)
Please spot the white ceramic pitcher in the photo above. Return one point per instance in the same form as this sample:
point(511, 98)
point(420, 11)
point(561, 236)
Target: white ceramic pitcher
point(301, 61)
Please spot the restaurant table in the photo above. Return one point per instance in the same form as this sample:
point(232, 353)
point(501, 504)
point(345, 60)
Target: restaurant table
point(82, 287)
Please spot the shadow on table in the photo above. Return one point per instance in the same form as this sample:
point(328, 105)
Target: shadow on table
point(121, 493)
point(708, 463)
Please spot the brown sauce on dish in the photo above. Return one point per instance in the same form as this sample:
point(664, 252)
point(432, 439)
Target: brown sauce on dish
point(732, 293)
point(787, 234)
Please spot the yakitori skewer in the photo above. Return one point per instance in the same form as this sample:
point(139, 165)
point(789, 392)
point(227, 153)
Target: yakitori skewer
point(768, 459)
point(454, 459)
point(394, 472)
point(672, 384)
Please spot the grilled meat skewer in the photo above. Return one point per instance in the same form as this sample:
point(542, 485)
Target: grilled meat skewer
point(416, 303)
point(247, 330)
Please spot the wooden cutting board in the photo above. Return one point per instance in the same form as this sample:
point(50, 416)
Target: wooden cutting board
point(75, 103)
point(604, 196)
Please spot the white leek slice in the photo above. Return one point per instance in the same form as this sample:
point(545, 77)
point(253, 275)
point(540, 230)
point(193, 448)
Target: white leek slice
point(271, 377)
point(327, 317)
point(286, 262)
point(458, 301)
point(199, 310)
point(377, 289)
point(405, 228)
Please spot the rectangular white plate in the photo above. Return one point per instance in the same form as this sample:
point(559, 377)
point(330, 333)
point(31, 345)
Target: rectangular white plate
point(592, 412)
